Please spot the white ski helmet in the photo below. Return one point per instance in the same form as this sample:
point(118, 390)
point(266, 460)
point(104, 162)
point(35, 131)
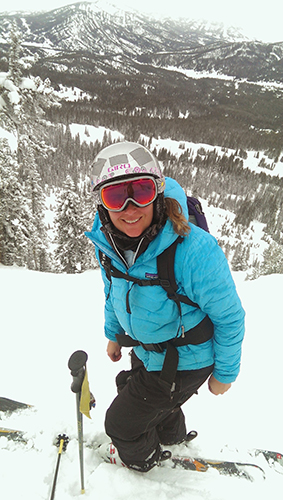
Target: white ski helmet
point(124, 159)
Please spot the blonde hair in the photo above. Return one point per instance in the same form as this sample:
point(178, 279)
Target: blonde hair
point(175, 214)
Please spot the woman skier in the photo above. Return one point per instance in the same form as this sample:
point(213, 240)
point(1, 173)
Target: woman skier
point(177, 346)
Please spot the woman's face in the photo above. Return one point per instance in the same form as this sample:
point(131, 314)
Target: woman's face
point(133, 220)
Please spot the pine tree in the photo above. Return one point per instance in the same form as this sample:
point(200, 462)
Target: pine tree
point(38, 254)
point(254, 273)
point(22, 105)
point(239, 260)
point(272, 260)
point(70, 239)
point(15, 68)
point(15, 224)
point(90, 261)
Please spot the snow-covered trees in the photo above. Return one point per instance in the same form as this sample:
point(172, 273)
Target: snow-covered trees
point(23, 235)
point(24, 238)
point(15, 226)
point(272, 260)
point(22, 104)
point(73, 253)
point(38, 255)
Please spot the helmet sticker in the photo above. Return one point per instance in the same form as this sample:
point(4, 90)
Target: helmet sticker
point(98, 166)
point(118, 160)
point(141, 156)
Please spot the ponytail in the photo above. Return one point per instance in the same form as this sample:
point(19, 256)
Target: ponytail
point(175, 214)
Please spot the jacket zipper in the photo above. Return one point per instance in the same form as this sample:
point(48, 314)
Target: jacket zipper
point(118, 252)
point(127, 267)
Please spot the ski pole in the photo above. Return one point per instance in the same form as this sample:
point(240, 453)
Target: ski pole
point(76, 364)
point(62, 442)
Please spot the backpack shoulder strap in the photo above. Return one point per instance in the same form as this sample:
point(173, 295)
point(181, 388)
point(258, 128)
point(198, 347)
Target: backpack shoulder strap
point(106, 264)
point(112, 271)
point(165, 267)
point(166, 274)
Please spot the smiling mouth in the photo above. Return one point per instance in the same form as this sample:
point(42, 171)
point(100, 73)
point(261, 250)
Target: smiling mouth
point(131, 221)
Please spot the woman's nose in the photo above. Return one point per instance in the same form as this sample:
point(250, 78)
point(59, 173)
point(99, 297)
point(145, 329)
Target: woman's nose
point(130, 207)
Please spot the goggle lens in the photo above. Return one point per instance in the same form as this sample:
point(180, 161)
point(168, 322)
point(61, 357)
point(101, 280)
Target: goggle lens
point(142, 192)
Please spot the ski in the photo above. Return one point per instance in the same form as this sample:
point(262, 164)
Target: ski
point(273, 458)
point(12, 434)
point(238, 469)
point(248, 470)
point(10, 405)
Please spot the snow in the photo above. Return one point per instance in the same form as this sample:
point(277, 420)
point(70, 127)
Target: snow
point(4, 134)
point(93, 133)
point(216, 75)
point(178, 147)
point(27, 83)
point(72, 94)
point(46, 317)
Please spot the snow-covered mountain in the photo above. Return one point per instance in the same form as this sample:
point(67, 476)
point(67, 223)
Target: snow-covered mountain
point(90, 37)
point(46, 317)
point(130, 63)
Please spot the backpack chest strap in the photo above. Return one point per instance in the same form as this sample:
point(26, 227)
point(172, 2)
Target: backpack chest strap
point(115, 273)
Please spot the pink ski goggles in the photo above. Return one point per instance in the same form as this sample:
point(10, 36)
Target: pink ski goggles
point(139, 190)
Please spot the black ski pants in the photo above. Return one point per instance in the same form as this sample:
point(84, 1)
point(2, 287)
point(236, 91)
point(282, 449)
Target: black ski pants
point(146, 413)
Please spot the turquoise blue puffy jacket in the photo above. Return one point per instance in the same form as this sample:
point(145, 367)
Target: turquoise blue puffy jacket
point(202, 273)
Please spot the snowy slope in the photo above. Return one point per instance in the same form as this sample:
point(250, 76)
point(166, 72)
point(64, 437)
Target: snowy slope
point(46, 317)
point(178, 147)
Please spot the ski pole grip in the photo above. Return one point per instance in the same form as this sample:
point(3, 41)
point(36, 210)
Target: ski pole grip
point(77, 364)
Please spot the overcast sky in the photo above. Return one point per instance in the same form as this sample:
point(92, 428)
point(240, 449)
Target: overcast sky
point(260, 19)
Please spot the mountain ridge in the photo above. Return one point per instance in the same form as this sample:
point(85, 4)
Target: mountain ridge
point(164, 77)
point(83, 26)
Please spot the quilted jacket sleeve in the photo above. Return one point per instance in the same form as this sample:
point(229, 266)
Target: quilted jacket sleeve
point(209, 283)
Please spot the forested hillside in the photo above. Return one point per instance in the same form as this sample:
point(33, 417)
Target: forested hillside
point(230, 153)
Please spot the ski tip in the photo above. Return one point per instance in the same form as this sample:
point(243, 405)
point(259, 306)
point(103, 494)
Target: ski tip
point(12, 434)
point(10, 405)
point(5, 431)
